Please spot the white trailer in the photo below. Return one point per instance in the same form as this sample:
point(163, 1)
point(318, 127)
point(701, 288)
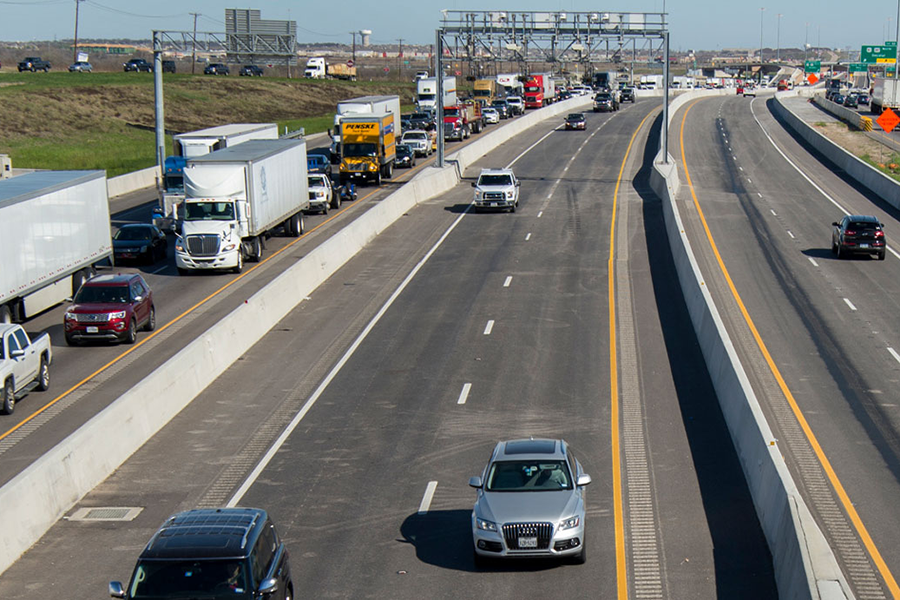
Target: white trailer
point(55, 228)
point(885, 94)
point(194, 144)
point(364, 105)
point(235, 197)
point(426, 93)
point(512, 84)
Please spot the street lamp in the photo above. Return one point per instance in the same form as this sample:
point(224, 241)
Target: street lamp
point(806, 44)
point(761, 11)
point(778, 40)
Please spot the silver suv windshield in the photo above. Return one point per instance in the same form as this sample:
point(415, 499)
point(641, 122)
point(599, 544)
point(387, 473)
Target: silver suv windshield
point(495, 180)
point(528, 476)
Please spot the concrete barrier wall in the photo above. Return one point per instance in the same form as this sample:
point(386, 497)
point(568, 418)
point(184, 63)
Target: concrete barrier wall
point(35, 499)
point(883, 186)
point(843, 113)
point(805, 566)
point(131, 182)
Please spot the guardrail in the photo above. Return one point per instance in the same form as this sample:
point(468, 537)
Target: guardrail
point(805, 566)
point(38, 496)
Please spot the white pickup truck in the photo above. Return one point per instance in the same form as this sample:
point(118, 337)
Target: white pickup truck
point(24, 364)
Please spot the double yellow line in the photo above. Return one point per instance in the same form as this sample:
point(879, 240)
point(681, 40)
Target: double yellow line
point(795, 408)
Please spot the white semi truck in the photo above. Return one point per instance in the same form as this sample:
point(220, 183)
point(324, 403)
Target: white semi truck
point(235, 197)
point(194, 144)
point(364, 105)
point(885, 94)
point(55, 226)
point(426, 93)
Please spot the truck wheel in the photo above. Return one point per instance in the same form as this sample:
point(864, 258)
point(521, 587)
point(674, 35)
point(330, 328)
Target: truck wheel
point(301, 226)
point(8, 401)
point(335, 201)
point(78, 280)
point(296, 225)
point(256, 249)
point(44, 375)
point(390, 170)
point(378, 178)
point(182, 272)
point(240, 263)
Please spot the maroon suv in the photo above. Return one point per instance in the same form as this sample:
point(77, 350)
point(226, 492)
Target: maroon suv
point(111, 308)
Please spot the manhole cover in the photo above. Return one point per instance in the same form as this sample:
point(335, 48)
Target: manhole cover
point(106, 513)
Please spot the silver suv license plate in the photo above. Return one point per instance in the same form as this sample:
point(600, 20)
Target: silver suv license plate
point(527, 542)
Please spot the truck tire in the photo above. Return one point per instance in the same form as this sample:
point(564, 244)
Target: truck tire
point(240, 263)
point(378, 178)
point(389, 170)
point(44, 375)
point(296, 226)
point(78, 280)
point(335, 201)
point(301, 225)
point(7, 398)
point(256, 249)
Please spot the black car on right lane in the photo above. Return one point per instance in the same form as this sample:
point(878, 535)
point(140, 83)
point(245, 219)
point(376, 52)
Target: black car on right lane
point(858, 234)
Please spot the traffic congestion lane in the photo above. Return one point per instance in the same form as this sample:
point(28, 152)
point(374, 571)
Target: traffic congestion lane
point(85, 379)
point(826, 323)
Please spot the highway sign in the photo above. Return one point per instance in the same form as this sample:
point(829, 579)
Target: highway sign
point(888, 120)
point(894, 44)
point(878, 54)
point(858, 68)
point(812, 79)
point(350, 63)
point(812, 66)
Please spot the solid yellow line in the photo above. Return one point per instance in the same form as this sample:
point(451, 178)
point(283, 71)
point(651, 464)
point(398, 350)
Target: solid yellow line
point(146, 339)
point(807, 430)
point(618, 505)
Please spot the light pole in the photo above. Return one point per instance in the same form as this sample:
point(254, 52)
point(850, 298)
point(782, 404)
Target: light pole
point(897, 57)
point(194, 43)
point(778, 40)
point(762, 10)
point(806, 44)
point(75, 44)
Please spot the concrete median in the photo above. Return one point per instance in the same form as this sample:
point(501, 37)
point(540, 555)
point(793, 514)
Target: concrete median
point(804, 564)
point(36, 498)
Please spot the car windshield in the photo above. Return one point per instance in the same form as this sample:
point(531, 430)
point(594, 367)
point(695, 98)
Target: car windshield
point(427, 97)
point(498, 103)
point(133, 234)
point(209, 211)
point(495, 180)
point(403, 149)
point(602, 97)
point(357, 150)
point(102, 294)
point(209, 579)
point(314, 181)
point(575, 118)
point(528, 476)
point(415, 136)
point(862, 226)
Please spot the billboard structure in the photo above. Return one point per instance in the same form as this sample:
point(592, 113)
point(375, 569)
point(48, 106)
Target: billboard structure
point(251, 39)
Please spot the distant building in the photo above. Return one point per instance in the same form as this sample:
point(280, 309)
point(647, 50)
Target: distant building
point(107, 48)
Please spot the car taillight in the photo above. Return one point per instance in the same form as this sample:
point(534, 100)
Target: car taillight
point(849, 232)
point(879, 234)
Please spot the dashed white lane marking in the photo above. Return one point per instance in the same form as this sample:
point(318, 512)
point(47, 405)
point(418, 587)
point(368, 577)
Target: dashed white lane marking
point(749, 180)
point(507, 281)
point(741, 168)
point(774, 214)
point(489, 327)
point(791, 234)
point(426, 499)
point(734, 157)
point(163, 268)
point(528, 236)
point(540, 214)
point(813, 261)
point(850, 304)
point(894, 354)
point(464, 394)
point(758, 194)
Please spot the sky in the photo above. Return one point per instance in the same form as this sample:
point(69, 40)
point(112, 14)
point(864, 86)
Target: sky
point(693, 24)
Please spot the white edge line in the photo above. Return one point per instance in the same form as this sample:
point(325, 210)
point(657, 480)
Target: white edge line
point(813, 261)
point(489, 327)
point(528, 236)
point(791, 234)
point(850, 304)
point(894, 354)
point(539, 214)
point(464, 394)
point(426, 499)
point(507, 281)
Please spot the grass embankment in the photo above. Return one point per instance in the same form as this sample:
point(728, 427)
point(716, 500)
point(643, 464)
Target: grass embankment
point(105, 120)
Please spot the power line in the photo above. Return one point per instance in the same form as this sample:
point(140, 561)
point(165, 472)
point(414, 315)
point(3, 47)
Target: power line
point(130, 14)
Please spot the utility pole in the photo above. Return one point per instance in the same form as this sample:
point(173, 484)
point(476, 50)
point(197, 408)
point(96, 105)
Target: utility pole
point(778, 40)
point(194, 44)
point(75, 45)
point(353, 33)
point(400, 59)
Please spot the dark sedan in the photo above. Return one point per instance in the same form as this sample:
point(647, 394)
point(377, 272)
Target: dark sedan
point(251, 71)
point(406, 156)
point(851, 101)
point(858, 234)
point(576, 121)
point(216, 69)
point(139, 242)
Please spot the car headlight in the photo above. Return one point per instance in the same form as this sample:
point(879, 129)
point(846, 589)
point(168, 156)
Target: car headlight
point(569, 523)
point(485, 525)
point(179, 245)
point(320, 194)
point(70, 316)
point(143, 249)
point(372, 167)
point(478, 194)
point(509, 195)
point(116, 315)
point(229, 247)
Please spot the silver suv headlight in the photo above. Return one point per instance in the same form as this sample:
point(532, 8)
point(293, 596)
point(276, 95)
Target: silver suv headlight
point(485, 525)
point(569, 523)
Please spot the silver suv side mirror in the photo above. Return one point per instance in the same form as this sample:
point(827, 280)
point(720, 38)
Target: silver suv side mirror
point(115, 589)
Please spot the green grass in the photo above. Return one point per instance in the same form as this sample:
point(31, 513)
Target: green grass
point(892, 159)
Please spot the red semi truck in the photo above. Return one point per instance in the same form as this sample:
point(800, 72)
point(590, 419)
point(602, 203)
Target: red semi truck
point(539, 90)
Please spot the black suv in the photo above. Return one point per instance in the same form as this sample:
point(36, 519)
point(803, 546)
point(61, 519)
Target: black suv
point(251, 71)
point(169, 66)
point(137, 65)
point(224, 553)
point(627, 95)
point(216, 69)
point(858, 234)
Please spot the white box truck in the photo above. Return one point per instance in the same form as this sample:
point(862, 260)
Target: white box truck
point(885, 94)
point(194, 144)
point(426, 93)
point(364, 105)
point(55, 228)
point(235, 197)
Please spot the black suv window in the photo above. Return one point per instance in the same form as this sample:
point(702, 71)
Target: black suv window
point(862, 225)
point(263, 553)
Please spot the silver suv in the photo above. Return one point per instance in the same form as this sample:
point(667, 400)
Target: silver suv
point(419, 140)
point(530, 502)
point(496, 188)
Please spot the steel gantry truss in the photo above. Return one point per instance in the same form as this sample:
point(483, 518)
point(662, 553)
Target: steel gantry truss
point(554, 38)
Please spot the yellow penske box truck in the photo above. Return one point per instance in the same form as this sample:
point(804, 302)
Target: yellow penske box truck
point(367, 147)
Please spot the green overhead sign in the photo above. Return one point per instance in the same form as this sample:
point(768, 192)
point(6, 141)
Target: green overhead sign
point(859, 68)
point(879, 54)
point(812, 66)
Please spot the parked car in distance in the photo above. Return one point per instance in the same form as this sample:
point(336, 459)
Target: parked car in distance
point(858, 234)
point(627, 95)
point(168, 66)
point(491, 115)
point(140, 242)
point(34, 63)
point(530, 502)
point(406, 156)
point(80, 67)
point(110, 308)
point(137, 65)
point(576, 121)
point(212, 553)
point(419, 140)
point(496, 188)
point(251, 71)
point(216, 69)
point(24, 365)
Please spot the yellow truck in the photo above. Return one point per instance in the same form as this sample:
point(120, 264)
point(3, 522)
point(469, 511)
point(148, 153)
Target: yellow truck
point(367, 147)
point(486, 91)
